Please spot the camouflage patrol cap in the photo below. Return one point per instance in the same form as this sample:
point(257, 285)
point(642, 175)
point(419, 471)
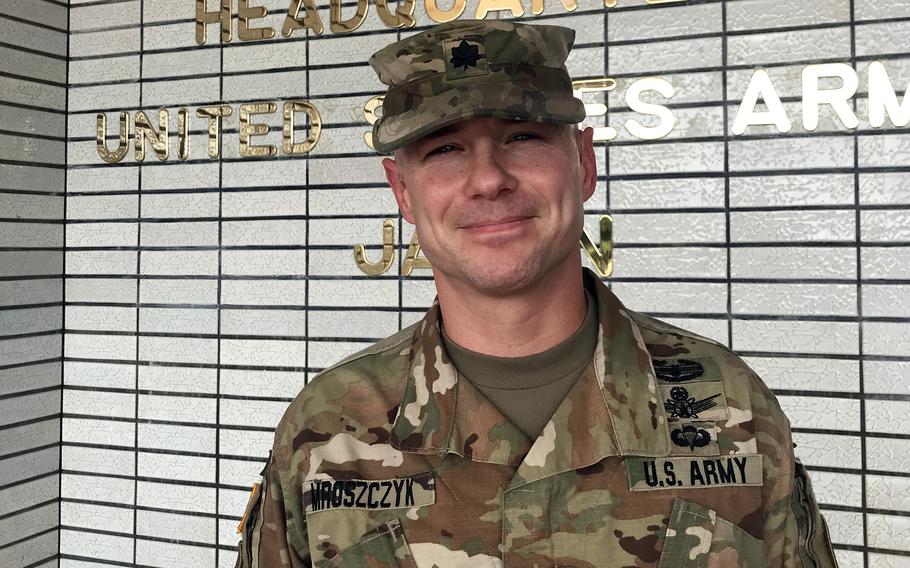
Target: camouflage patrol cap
point(473, 68)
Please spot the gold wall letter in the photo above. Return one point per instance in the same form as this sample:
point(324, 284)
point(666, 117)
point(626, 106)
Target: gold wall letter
point(412, 258)
point(289, 146)
point(371, 115)
point(204, 17)
point(245, 13)
point(537, 6)
point(486, 6)
point(214, 115)
point(248, 130)
point(388, 252)
point(404, 13)
point(157, 138)
point(101, 134)
point(612, 3)
point(183, 140)
point(601, 256)
point(310, 18)
point(441, 16)
point(338, 26)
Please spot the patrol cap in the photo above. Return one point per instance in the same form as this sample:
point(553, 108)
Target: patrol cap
point(473, 68)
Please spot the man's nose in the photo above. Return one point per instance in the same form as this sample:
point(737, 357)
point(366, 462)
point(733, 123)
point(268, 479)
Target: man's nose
point(490, 173)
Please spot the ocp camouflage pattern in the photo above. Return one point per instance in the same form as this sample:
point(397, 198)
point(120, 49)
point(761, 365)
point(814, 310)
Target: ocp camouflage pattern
point(473, 68)
point(603, 486)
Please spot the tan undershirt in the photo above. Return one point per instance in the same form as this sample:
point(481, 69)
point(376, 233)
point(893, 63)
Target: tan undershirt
point(527, 390)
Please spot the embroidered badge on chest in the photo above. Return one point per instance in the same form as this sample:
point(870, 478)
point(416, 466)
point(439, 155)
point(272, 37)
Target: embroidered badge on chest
point(369, 494)
point(678, 370)
point(698, 438)
point(691, 437)
point(681, 405)
point(704, 401)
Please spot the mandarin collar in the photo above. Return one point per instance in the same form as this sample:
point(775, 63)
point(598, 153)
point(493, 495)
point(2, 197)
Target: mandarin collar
point(612, 409)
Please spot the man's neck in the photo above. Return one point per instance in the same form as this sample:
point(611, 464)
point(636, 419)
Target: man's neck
point(517, 325)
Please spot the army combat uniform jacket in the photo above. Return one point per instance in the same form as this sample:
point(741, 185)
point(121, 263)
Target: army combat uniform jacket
point(668, 452)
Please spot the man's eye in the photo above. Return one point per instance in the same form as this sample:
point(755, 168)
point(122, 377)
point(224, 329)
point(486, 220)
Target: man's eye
point(445, 149)
point(525, 136)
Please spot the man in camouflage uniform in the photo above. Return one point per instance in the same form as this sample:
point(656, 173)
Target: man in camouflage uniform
point(663, 449)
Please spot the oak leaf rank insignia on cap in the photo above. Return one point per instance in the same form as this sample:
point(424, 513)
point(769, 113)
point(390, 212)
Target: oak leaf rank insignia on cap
point(468, 58)
point(469, 69)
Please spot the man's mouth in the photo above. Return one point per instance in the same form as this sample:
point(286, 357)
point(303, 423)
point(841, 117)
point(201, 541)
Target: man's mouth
point(494, 224)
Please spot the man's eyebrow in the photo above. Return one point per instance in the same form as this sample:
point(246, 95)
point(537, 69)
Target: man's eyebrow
point(444, 131)
point(504, 122)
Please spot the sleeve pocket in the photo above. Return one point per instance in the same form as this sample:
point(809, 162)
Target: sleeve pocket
point(383, 547)
point(697, 538)
point(247, 526)
point(814, 542)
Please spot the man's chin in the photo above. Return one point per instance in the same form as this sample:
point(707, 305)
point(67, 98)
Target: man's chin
point(502, 277)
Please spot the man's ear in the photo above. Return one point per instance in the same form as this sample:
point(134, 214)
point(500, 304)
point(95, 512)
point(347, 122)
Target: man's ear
point(399, 189)
point(588, 162)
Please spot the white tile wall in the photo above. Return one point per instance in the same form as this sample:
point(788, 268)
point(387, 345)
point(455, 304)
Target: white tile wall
point(819, 292)
point(32, 180)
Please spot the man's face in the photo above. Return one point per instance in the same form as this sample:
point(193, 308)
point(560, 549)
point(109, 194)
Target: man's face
point(497, 203)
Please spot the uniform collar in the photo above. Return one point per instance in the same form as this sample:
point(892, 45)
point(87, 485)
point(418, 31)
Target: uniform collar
point(612, 410)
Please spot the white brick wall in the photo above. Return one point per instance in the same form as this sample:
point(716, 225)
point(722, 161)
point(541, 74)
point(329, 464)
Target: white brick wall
point(169, 401)
point(33, 67)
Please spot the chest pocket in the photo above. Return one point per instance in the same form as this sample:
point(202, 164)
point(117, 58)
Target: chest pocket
point(383, 547)
point(697, 538)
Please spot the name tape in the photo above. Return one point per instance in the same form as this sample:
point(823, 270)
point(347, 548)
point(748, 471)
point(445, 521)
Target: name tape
point(369, 494)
